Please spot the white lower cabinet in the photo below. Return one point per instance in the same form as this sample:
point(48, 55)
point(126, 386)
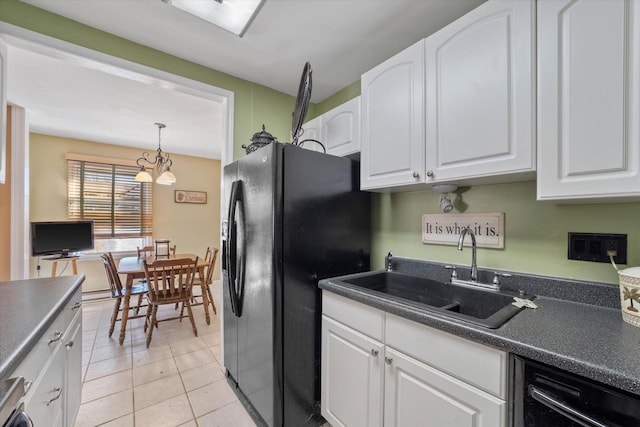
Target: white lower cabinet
point(417, 394)
point(436, 380)
point(352, 370)
point(53, 370)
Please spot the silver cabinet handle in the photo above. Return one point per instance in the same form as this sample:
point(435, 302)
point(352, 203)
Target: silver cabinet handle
point(78, 304)
point(388, 360)
point(56, 337)
point(430, 174)
point(69, 344)
point(374, 352)
point(59, 390)
point(416, 174)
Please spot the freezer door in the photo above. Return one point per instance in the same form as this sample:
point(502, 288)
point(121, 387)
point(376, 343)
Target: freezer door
point(256, 346)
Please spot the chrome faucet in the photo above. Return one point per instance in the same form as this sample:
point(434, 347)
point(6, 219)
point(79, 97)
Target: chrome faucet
point(474, 265)
point(388, 263)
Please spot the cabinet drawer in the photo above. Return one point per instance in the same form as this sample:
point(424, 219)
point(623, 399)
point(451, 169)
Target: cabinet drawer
point(476, 364)
point(71, 308)
point(361, 317)
point(32, 364)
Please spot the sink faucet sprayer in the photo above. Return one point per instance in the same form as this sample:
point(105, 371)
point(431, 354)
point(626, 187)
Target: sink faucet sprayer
point(474, 265)
point(388, 262)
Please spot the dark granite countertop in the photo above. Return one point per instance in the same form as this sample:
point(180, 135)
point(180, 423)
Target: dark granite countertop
point(585, 336)
point(27, 308)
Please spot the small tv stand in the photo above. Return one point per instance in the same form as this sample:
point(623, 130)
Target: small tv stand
point(62, 258)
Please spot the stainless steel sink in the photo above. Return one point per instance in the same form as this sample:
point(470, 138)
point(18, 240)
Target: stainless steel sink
point(487, 308)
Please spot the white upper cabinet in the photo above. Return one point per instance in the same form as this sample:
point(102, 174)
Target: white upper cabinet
point(311, 130)
point(341, 129)
point(480, 86)
point(589, 99)
point(337, 129)
point(392, 147)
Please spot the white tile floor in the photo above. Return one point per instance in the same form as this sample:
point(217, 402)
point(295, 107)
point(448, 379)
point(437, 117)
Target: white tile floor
point(177, 381)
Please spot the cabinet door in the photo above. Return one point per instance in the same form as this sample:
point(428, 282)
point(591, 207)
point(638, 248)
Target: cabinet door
point(418, 395)
point(352, 370)
point(341, 129)
point(392, 146)
point(480, 94)
point(312, 132)
point(44, 402)
point(72, 342)
point(589, 99)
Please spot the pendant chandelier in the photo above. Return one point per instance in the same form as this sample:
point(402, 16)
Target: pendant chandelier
point(162, 163)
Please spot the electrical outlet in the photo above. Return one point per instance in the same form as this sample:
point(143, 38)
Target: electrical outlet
point(596, 247)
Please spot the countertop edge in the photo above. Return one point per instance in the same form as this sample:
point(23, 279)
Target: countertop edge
point(18, 355)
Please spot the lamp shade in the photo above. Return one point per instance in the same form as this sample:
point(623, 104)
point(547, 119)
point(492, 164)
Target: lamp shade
point(143, 176)
point(167, 178)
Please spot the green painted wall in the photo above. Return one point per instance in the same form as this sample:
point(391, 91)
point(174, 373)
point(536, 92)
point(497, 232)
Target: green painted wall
point(336, 99)
point(254, 104)
point(535, 232)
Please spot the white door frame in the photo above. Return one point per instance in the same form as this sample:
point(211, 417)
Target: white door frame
point(30, 40)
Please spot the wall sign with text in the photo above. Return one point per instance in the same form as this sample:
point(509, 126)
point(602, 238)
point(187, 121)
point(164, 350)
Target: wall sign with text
point(445, 229)
point(197, 197)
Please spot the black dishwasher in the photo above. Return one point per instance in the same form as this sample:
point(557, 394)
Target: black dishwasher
point(548, 397)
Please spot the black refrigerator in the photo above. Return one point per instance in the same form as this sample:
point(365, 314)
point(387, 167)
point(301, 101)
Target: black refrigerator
point(294, 217)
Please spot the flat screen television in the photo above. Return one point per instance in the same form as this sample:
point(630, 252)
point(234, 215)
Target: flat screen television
point(61, 237)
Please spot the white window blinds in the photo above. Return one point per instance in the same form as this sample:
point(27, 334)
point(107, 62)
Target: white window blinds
point(108, 194)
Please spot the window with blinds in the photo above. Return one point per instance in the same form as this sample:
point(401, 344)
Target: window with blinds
point(108, 194)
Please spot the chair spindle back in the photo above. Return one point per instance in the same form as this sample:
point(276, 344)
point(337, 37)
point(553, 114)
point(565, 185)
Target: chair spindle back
point(170, 278)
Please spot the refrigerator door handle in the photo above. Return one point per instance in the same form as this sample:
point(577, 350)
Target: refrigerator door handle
point(231, 245)
point(239, 265)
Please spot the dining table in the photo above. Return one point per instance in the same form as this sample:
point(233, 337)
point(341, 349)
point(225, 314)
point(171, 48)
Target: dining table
point(133, 269)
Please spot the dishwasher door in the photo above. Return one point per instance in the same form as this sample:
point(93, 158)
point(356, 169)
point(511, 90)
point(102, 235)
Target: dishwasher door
point(545, 396)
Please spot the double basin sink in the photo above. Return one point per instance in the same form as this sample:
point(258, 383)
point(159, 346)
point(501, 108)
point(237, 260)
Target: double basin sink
point(487, 308)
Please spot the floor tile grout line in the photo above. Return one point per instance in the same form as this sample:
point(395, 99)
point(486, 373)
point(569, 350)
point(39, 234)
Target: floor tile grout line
point(184, 387)
point(202, 344)
point(133, 390)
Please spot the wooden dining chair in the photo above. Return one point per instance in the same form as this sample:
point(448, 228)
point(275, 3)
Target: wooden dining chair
point(172, 250)
point(118, 291)
point(205, 282)
point(145, 251)
point(170, 281)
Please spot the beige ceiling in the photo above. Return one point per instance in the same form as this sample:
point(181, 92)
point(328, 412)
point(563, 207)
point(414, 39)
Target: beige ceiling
point(340, 38)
